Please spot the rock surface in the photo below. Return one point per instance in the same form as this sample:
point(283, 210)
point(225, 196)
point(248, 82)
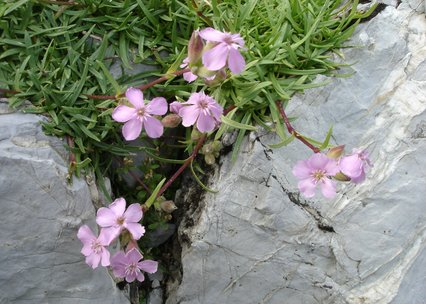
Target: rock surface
point(40, 213)
point(258, 241)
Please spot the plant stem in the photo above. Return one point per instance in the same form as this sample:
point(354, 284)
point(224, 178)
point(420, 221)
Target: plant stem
point(6, 91)
point(142, 87)
point(184, 165)
point(292, 131)
point(200, 14)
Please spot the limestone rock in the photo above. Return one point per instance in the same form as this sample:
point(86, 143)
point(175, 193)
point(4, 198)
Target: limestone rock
point(258, 241)
point(40, 213)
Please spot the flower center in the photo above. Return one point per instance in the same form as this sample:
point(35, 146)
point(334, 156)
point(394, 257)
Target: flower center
point(96, 246)
point(131, 268)
point(204, 104)
point(228, 39)
point(318, 175)
point(141, 112)
point(120, 220)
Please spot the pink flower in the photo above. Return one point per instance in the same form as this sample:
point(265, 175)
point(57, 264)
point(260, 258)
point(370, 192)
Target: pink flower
point(175, 106)
point(353, 166)
point(316, 170)
point(93, 247)
point(224, 52)
point(115, 218)
point(128, 265)
point(188, 76)
point(202, 109)
point(140, 115)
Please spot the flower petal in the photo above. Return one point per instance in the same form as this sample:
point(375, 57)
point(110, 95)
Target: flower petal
point(328, 188)
point(93, 260)
point(105, 238)
point(153, 127)
point(215, 58)
point(189, 115)
point(105, 217)
point(210, 34)
point(140, 277)
point(216, 110)
point(85, 235)
point(148, 266)
point(205, 123)
point(110, 234)
point(133, 213)
point(119, 262)
point(130, 277)
point(118, 206)
point(135, 229)
point(175, 106)
point(189, 76)
point(307, 187)
point(133, 255)
point(301, 170)
point(135, 96)
point(123, 113)
point(105, 261)
point(87, 249)
point(157, 106)
point(318, 161)
point(132, 129)
point(351, 165)
point(236, 38)
point(236, 62)
point(359, 179)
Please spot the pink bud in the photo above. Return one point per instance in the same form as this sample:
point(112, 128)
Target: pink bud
point(195, 47)
point(171, 121)
point(336, 152)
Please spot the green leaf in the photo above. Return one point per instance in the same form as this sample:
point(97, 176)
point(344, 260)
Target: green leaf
point(153, 195)
point(111, 79)
point(15, 6)
point(327, 139)
point(198, 180)
point(283, 143)
point(237, 125)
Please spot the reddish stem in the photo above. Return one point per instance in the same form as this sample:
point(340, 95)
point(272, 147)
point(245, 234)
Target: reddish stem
point(70, 142)
point(133, 174)
point(184, 165)
point(229, 109)
point(6, 91)
point(141, 87)
point(292, 131)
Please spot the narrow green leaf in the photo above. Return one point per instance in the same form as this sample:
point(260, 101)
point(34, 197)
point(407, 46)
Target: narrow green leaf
point(327, 139)
point(237, 125)
point(153, 196)
point(111, 79)
point(283, 143)
point(198, 180)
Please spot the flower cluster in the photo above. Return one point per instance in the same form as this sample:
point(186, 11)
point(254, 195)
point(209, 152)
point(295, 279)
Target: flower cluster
point(113, 221)
point(200, 110)
point(210, 52)
point(319, 169)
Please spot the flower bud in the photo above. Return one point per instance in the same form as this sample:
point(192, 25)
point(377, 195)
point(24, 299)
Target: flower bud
point(336, 152)
point(341, 177)
point(209, 159)
point(175, 106)
point(195, 47)
point(171, 121)
point(168, 206)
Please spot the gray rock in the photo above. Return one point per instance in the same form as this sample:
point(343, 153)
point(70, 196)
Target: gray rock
point(258, 241)
point(40, 213)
